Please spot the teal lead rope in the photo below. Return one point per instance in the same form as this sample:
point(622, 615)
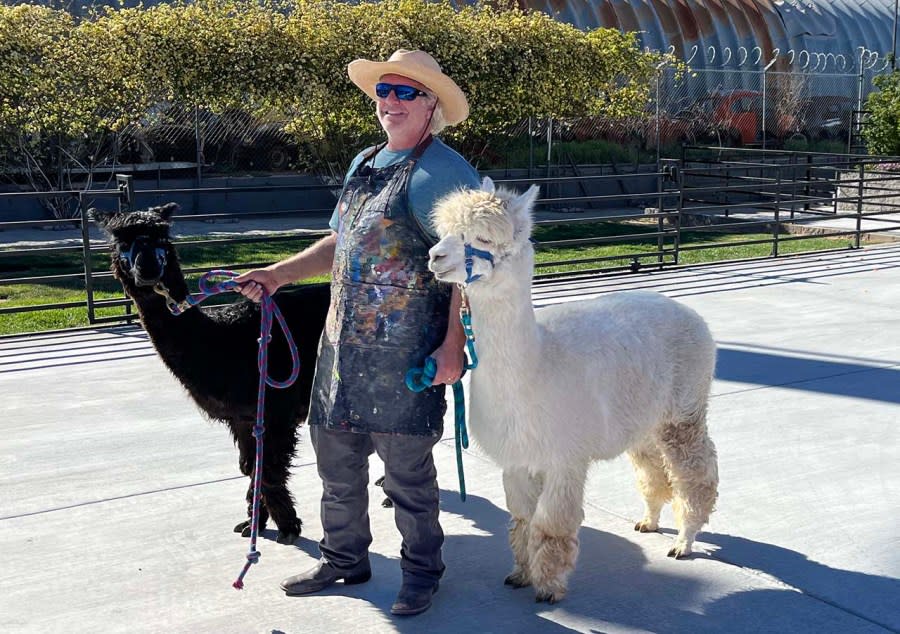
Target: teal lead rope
point(418, 379)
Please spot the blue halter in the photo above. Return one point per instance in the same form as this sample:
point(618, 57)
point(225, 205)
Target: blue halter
point(127, 257)
point(471, 254)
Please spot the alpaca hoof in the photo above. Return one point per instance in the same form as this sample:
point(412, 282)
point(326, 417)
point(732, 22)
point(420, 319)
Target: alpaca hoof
point(545, 596)
point(290, 533)
point(680, 552)
point(379, 482)
point(645, 527)
point(517, 579)
point(244, 528)
point(387, 503)
point(287, 538)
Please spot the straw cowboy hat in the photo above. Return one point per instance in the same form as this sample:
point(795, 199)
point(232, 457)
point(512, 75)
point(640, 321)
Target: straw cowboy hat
point(417, 65)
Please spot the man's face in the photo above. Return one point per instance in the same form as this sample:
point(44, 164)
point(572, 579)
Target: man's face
point(404, 121)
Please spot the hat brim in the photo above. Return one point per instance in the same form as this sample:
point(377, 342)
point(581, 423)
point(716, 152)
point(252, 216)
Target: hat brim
point(365, 74)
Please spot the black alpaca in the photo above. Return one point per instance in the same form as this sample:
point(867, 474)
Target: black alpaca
point(212, 352)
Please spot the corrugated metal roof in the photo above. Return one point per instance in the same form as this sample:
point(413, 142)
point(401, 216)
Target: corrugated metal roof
point(820, 35)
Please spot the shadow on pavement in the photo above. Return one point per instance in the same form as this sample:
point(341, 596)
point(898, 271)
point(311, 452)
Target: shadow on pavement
point(614, 585)
point(857, 380)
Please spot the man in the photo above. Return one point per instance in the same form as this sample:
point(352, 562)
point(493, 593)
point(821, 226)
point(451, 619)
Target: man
point(387, 315)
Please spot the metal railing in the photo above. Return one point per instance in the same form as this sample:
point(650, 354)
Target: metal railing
point(787, 194)
point(662, 216)
point(87, 271)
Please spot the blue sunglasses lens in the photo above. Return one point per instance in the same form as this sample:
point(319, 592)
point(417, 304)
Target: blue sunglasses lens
point(403, 92)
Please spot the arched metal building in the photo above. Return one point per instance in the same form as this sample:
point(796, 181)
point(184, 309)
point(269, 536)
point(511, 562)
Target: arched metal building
point(810, 35)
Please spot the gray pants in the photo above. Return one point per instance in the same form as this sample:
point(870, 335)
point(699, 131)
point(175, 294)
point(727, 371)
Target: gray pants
point(411, 484)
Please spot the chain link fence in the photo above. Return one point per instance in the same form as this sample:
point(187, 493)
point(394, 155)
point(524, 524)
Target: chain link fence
point(798, 111)
point(767, 109)
point(759, 107)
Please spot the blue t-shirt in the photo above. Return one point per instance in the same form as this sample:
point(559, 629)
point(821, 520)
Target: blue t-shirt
point(439, 171)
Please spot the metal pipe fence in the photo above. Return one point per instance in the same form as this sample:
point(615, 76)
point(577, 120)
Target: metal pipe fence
point(754, 196)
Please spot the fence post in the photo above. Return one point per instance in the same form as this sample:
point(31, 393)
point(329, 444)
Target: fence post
point(680, 180)
point(807, 189)
point(659, 70)
point(764, 109)
point(660, 221)
point(125, 185)
point(548, 172)
point(530, 146)
point(198, 146)
point(764, 83)
point(658, 151)
point(549, 143)
point(777, 214)
point(860, 192)
point(837, 190)
point(86, 258)
point(859, 101)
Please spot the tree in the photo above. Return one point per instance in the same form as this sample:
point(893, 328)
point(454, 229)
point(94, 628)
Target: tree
point(882, 127)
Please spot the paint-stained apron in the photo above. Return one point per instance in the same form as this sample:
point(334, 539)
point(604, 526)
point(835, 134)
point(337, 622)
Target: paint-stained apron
point(387, 312)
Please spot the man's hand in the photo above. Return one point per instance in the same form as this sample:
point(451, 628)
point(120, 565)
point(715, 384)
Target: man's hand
point(450, 360)
point(313, 260)
point(253, 282)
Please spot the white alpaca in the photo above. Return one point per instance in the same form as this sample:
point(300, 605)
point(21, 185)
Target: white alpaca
point(574, 383)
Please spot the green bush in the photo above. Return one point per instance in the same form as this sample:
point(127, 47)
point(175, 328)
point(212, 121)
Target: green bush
point(882, 128)
point(68, 79)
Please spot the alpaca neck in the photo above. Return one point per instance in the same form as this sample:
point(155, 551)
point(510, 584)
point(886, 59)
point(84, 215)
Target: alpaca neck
point(503, 321)
point(151, 306)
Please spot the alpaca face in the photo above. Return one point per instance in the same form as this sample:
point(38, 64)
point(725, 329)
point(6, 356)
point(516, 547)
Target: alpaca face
point(479, 230)
point(141, 244)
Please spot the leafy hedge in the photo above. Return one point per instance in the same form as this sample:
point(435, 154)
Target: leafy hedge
point(69, 78)
point(882, 127)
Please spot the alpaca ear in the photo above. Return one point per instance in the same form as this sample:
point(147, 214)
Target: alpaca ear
point(521, 208)
point(528, 199)
point(100, 216)
point(167, 210)
point(487, 185)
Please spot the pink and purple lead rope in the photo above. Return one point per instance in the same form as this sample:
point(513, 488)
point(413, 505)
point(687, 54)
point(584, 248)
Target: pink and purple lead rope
point(268, 309)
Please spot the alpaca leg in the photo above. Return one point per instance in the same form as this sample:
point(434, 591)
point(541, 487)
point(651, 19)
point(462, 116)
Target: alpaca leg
point(278, 453)
point(244, 528)
point(553, 533)
point(386, 502)
point(243, 435)
point(690, 459)
point(653, 483)
point(522, 492)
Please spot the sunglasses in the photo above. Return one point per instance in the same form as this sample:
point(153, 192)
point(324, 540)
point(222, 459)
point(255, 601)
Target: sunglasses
point(403, 92)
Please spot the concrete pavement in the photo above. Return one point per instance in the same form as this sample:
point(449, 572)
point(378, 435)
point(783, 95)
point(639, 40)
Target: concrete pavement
point(117, 498)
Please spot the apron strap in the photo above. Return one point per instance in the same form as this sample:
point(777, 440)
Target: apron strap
point(372, 152)
point(414, 156)
point(420, 149)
